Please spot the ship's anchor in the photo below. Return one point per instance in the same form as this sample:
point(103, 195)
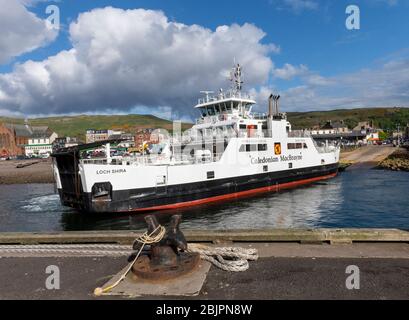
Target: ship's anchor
point(167, 258)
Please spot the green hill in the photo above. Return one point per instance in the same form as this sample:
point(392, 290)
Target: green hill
point(385, 118)
point(75, 126)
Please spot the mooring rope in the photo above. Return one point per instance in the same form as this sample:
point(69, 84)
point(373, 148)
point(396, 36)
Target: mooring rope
point(66, 246)
point(68, 249)
point(217, 255)
point(144, 240)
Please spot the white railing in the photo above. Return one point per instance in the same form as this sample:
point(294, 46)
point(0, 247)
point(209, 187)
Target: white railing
point(259, 116)
point(323, 147)
point(299, 134)
point(153, 160)
point(224, 95)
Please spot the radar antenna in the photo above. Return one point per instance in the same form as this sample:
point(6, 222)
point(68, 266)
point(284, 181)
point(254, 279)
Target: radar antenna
point(207, 93)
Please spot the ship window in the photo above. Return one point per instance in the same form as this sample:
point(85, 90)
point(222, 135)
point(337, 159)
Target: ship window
point(265, 168)
point(210, 174)
point(250, 147)
point(217, 107)
point(291, 146)
point(203, 112)
point(290, 165)
point(262, 147)
point(243, 126)
point(210, 111)
point(305, 146)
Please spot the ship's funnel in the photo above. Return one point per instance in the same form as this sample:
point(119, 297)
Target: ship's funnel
point(276, 101)
point(270, 117)
point(270, 106)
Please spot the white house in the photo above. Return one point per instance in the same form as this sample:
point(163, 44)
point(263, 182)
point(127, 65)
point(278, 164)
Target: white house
point(40, 143)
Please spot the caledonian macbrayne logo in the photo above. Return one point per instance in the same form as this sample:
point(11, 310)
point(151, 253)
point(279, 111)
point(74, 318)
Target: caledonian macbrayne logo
point(277, 148)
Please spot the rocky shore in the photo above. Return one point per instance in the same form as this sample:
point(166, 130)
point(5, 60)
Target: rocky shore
point(26, 171)
point(397, 161)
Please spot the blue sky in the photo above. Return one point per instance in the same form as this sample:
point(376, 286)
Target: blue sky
point(302, 50)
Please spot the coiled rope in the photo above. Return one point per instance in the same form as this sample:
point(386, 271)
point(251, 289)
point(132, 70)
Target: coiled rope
point(217, 255)
point(144, 240)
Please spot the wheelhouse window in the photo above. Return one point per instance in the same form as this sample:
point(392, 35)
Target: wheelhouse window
point(203, 112)
point(210, 111)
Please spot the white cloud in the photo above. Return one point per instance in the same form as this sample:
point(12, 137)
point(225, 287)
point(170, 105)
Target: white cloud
point(21, 30)
point(288, 71)
point(127, 58)
point(384, 85)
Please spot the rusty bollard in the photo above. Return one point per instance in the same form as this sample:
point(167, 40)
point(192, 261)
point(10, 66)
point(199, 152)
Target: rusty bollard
point(168, 258)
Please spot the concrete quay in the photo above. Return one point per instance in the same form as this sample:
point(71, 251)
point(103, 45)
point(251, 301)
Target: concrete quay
point(293, 264)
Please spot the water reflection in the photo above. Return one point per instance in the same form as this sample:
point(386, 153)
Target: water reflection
point(358, 198)
point(301, 207)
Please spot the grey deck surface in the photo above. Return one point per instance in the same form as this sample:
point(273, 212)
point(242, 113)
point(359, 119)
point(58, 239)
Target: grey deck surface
point(384, 273)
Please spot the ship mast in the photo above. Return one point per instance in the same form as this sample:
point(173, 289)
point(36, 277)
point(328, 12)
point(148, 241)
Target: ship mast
point(235, 78)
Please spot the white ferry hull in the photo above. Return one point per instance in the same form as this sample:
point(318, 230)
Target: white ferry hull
point(192, 194)
point(139, 188)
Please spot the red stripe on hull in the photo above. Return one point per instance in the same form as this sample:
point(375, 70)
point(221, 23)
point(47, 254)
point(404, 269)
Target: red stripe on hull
point(236, 195)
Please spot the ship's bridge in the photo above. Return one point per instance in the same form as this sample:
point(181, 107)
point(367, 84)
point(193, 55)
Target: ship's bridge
point(224, 106)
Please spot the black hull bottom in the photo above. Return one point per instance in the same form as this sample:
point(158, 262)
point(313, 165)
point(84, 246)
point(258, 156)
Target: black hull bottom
point(184, 195)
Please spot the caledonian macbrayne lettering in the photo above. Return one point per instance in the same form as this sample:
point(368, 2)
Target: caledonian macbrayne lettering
point(261, 160)
point(290, 158)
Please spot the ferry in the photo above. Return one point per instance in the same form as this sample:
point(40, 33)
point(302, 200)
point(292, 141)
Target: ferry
point(230, 152)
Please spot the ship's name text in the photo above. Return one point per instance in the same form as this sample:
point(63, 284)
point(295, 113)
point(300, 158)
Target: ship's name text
point(111, 171)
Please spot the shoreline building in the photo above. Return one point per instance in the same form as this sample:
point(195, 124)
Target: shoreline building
point(330, 127)
point(93, 135)
point(8, 144)
point(371, 133)
point(337, 131)
point(41, 142)
point(23, 139)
